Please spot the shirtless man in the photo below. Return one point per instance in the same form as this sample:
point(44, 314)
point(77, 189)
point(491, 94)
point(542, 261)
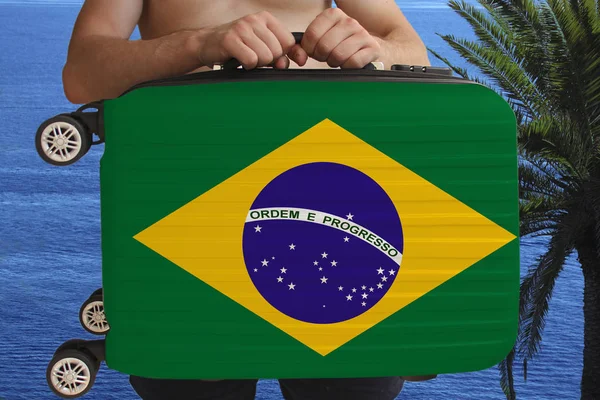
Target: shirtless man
point(184, 36)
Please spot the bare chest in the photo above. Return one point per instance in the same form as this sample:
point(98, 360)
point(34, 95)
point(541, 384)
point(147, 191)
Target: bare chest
point(161, 17)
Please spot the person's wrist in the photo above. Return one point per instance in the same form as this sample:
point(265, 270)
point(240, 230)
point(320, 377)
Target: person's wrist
point(195, 45)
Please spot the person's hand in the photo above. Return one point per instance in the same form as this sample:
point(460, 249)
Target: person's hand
point(256, 40)
point(339, 40)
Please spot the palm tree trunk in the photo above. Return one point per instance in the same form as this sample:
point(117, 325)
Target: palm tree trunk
point(590, 380)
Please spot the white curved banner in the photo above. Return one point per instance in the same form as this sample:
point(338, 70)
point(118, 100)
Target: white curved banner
point(330, 220)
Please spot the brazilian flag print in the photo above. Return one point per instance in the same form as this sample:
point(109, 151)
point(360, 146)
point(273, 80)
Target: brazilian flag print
point(309, 228)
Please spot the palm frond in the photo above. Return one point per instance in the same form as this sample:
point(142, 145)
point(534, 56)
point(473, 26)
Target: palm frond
point(507, 380)
point(496, 35)
point(489, 31)
point(519, 116)
point(463, 72)
point(568, 49)
point(505, 74)
point(538, 285)
point(537, 178)
point(527, 292)
point(535, 229)
point(522, 15)
point(458, 70)
point(523, 19)
point(586, 12)
point(553, 139)
point(539, 214)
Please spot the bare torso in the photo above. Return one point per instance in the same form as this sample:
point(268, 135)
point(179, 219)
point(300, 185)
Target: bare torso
point(162, 17)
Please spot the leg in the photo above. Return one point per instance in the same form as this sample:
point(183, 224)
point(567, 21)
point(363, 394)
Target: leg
point(171, 389)
point(342, 389)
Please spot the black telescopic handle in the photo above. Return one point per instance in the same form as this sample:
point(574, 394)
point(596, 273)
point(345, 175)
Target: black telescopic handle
point(298, 36)
point(234, 64)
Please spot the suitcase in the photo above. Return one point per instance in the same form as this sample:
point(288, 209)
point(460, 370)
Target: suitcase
point(297, 224)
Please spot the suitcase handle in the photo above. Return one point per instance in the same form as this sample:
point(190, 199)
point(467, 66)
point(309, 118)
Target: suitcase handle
point(234, 64)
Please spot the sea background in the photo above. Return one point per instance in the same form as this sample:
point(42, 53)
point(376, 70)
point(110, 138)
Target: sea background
point(50, 257)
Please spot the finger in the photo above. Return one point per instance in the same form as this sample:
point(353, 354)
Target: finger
point(319, 27)
point(298, 55)
point(241, 52)
point(282, 34)
point(270, 40)
point(361, 58)
point(262, 51)
point(334, 37)
point(347, 48)
point(282, 63)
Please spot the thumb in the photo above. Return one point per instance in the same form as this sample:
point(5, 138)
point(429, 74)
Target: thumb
point(281, 63)
point(298, 55)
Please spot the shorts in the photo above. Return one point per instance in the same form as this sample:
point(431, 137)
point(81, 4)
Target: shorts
point(292, 389)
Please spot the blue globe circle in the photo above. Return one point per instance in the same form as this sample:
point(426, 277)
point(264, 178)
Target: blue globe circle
point(324, 243)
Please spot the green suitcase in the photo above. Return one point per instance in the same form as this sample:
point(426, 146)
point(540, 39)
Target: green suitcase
point(298, 223)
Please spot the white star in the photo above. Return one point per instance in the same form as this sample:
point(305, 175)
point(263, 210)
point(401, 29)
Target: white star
point(280, 279)
point(324, 255)
point(320, 268)
point(292, 246)
point(364, 295)
point(340, 288)
point(315, 263)
point(364, 287)
point(272, 258)
point(257, 228)
point(380, 271)
point(349, 216)
point(264, 263)
point(323, 280)
point(379, 286)
point(346, 239)
point(364, 304)
point(333, 263)
point(371, 289)
point(323, 305)
point(384, 278)
point(283, 270)
point(349, 297)
point(255, 270)
point(353, 290)
point(292, 286)
point(392, 272)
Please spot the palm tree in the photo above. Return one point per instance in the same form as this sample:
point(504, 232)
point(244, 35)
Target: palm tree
point(543, 57)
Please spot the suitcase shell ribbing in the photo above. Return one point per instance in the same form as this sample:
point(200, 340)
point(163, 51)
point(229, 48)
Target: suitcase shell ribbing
point(167, 145)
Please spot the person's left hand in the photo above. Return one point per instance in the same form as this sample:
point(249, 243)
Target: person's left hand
point(337, 39)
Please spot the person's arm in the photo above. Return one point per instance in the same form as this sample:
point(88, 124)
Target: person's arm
point(102, 62)
point(383, 19)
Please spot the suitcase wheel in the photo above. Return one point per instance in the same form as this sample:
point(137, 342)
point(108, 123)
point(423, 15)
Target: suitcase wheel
point(71, 373)
point(91, 315)
point(62, 140)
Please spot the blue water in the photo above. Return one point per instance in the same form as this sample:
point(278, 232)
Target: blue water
point(50, 228)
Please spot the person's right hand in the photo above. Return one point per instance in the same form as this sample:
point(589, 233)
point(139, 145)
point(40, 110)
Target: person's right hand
point(256, 40)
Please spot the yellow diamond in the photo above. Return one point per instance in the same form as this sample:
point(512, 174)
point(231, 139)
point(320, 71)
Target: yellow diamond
point(204, 237)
